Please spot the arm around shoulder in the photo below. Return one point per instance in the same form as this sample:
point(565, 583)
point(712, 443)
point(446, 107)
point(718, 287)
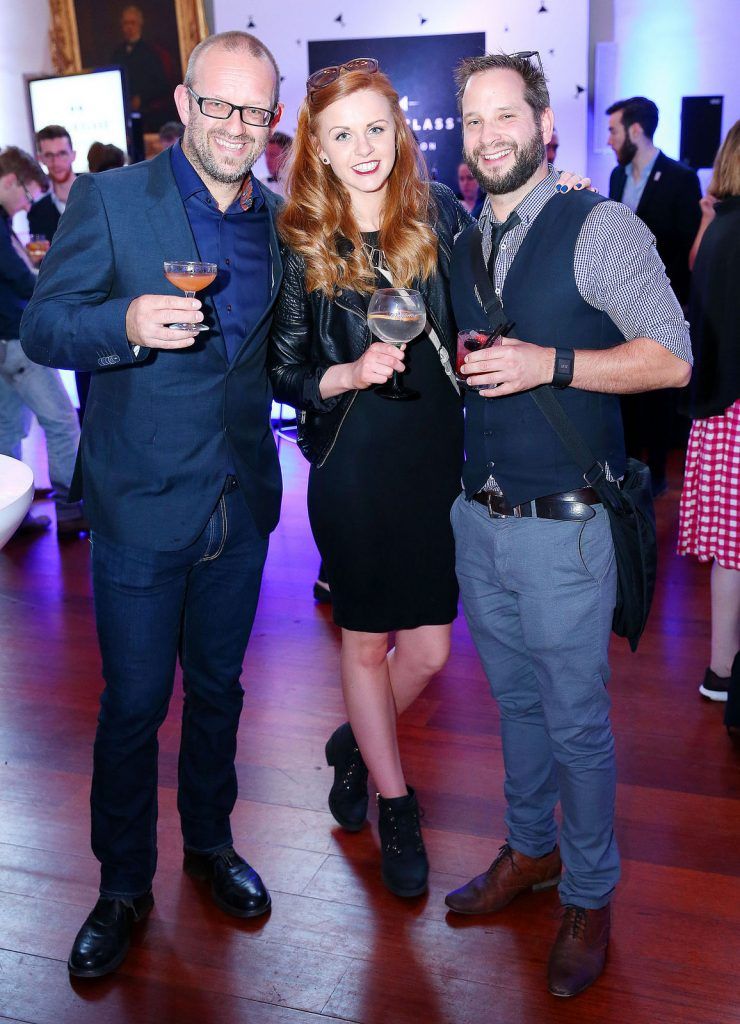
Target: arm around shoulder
point(451, 213)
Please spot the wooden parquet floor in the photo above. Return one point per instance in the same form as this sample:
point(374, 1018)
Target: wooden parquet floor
point(336, 945)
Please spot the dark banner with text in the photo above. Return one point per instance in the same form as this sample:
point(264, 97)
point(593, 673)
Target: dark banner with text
point(421, 71)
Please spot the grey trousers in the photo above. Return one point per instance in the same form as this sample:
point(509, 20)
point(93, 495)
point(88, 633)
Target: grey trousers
point(539, 597)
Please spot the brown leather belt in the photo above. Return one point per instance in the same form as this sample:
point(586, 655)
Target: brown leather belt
point(568, 505)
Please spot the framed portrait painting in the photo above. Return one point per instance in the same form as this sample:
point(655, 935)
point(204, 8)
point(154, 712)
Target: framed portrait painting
point(150, 39)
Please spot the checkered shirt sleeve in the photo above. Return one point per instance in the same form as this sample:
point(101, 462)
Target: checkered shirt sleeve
point(618, 270)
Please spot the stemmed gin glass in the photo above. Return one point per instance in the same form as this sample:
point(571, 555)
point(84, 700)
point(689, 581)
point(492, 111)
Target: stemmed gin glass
point(191, 276)
point(396, 315)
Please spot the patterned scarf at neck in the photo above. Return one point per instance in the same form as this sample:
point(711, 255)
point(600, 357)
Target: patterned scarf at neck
point(246, 198)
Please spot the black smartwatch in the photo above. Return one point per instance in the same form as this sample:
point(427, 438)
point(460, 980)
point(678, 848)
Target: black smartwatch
point(563, 372)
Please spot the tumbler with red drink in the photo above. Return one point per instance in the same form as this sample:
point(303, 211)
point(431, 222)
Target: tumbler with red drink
point(471, 341)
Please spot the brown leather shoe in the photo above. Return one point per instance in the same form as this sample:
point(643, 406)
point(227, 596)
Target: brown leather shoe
point(579, 954)
point(510, 874)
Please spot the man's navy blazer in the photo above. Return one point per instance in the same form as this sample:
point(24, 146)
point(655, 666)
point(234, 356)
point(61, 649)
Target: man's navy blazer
point(161, 429)
point(669, 205)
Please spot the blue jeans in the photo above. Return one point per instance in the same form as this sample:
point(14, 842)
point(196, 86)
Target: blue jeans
point(26, 385)
point(150, 607)
point(539, 598)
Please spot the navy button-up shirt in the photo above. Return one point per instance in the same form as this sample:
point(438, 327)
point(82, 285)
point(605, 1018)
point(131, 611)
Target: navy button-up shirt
point(238, 242)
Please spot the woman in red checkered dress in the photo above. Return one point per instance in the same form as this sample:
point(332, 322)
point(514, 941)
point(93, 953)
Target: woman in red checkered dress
point(710, 503)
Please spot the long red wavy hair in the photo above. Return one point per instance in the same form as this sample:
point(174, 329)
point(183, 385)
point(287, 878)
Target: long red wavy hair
point(318, 208)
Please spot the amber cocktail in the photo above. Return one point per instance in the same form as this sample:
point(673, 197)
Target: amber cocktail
point(38, 245)
point(191, 276)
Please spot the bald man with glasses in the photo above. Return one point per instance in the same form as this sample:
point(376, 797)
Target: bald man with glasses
point(178, 467)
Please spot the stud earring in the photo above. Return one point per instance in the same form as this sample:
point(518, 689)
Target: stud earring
point(325, 159)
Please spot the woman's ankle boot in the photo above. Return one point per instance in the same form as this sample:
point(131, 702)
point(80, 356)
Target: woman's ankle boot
point(405, 867)
point(348, 796)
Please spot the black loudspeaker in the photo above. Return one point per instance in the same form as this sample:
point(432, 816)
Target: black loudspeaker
point(701, 130)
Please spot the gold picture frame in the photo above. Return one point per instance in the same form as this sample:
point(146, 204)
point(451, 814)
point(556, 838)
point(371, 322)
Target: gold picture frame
point(64, 40)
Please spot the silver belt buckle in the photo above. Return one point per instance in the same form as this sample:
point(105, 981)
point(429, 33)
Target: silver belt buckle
point(492, 513)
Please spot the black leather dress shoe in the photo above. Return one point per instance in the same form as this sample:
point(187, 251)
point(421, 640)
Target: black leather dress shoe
point(236, 887)
point(103, 941)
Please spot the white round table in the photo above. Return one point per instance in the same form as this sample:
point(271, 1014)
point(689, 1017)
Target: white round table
point(16, 495)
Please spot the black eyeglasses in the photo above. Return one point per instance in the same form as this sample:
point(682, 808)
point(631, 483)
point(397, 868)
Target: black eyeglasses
point(528, 55)
point(222, 111)
point(26, 193)
point(320, 79)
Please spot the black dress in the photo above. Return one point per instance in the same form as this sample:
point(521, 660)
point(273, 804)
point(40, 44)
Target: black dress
point(380, 504)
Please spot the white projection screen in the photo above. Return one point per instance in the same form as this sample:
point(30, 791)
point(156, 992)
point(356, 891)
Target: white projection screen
point(90, 106)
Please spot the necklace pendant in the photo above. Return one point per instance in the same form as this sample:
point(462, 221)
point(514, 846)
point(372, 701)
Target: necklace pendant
point(376, 257)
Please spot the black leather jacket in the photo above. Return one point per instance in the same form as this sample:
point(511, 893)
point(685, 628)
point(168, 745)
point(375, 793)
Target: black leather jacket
point(311, 332)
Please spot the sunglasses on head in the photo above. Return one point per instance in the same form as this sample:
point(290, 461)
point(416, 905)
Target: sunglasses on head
point(325, 76)
point(530, 55)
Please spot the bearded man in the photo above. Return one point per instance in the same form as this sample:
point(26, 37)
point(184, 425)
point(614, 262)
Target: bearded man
point(662, 192)
point(594, 317)
point(178, 467)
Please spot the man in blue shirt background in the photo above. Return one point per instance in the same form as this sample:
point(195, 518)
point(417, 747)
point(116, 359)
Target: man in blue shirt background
point(665, 195)
point(662, 192)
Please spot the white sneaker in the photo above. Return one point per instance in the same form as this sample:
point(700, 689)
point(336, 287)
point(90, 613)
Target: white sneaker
point(714, 687)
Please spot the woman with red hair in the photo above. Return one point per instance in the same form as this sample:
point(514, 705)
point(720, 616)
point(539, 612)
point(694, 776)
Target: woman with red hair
point(360, 215)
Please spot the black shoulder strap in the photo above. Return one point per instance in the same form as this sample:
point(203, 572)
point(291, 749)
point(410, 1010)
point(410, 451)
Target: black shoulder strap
point(579, 451)
point(486, 292)
point(549, 406)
